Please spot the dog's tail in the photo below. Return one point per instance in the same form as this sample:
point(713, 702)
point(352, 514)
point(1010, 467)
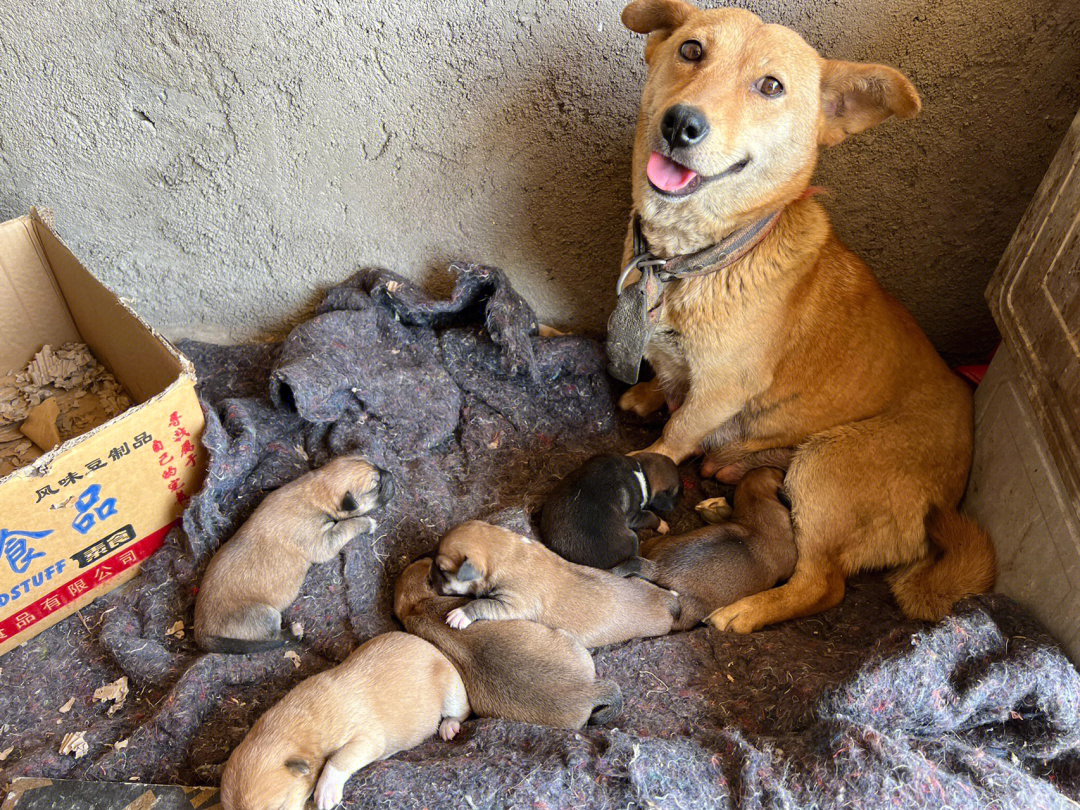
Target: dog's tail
point(246, 646)
point(608, 704)
point(636, 567)
point(961, 562)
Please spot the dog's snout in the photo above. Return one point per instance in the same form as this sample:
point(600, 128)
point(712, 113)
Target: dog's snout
point(386, 486)
point(683, 125)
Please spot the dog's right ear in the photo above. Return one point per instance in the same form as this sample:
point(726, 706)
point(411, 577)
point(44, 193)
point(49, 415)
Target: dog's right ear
point(298, 767)
point(646, 16)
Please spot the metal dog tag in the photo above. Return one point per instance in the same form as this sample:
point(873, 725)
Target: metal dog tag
point(632, 323)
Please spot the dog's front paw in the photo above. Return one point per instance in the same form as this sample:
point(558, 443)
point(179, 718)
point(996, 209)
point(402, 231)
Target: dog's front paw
point(663, 528)
point(365, 525)
point(331, 788)
point(643, 399)
point(458, 619)
point(449, 728)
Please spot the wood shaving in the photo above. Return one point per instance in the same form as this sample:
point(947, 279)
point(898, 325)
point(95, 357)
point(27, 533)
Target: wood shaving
point(177, 630)
point(294, 657)
point(67, 706)
point(6, 753)
point(86, 395)
point(75, 743)
point(120, 746)
point(116, 691)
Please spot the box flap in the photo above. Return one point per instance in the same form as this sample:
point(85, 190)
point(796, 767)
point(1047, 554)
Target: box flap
point(32, 308)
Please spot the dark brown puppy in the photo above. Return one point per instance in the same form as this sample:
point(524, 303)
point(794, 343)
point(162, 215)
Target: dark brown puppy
point(592, 516)
point(516, 578)
point(716, 565)
point(516, 670)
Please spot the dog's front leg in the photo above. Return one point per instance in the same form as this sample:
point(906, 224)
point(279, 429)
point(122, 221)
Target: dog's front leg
point(691, 425)
point(490, 609)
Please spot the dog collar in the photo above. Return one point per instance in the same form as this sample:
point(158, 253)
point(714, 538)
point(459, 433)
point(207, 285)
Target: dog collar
point(702, 262)
point(637, 310)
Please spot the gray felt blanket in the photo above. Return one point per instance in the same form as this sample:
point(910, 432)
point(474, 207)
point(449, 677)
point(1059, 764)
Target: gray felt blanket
point(477, 416)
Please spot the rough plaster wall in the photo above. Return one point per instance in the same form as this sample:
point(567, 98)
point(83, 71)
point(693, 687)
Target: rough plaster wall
point(218, 163)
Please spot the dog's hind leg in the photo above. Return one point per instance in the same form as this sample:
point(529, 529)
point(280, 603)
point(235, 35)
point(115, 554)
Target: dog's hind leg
point(815, 586)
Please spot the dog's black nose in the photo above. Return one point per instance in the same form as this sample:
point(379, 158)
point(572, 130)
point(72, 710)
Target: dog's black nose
point(386, 486)
point(683, 125)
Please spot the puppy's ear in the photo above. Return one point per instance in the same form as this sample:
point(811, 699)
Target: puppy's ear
point(468, 572)
point(348, 503)
point(856, 96)
point(298, 767)
point(646, 16)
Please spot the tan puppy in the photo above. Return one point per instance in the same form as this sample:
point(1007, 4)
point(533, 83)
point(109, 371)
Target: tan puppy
point(795, 344)
point(516, 578)
point(388, 696)
point(258, 572)
point(516, 670)
point(716, 565)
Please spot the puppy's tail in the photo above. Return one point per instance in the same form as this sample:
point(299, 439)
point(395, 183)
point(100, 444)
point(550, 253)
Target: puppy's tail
point(608, 703)
point(246, 646)
point(961, 562)
point(636, 567)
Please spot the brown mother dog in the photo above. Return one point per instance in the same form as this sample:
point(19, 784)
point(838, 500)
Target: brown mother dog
point(794, 344)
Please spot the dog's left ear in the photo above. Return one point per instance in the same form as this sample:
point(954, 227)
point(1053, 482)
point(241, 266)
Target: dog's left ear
point(468, 572)
point(856, 96)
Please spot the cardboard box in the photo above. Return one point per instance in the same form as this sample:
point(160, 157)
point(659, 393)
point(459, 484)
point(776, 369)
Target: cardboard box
point(76, 523)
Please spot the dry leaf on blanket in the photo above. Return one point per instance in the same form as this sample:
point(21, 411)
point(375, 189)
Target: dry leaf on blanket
point(75, 743)
point(116, 691)
point(67, 706)
point(294, 657)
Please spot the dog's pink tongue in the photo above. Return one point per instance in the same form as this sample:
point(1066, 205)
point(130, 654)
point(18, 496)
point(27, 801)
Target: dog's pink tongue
point(666, 174)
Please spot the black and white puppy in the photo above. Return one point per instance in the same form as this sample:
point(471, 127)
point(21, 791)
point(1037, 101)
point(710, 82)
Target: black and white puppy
point(592, 516)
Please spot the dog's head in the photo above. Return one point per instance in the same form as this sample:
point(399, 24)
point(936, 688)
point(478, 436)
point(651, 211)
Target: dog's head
point(733, 113)
point(416, 584)
point(665, 483)
point(267, 771)
point(464, 562)
point(350, 486)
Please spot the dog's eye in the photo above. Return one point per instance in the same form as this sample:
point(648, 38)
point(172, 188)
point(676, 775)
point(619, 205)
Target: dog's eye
point(691, 50)
point(770, 87)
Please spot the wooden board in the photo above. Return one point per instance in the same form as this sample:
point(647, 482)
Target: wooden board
point(1034, 296)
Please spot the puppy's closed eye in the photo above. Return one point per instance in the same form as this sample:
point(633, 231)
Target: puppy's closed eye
point(298, 766)
point(348, 503)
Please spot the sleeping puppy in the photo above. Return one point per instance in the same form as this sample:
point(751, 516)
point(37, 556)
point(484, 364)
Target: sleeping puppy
point(717, 565)
point(516, 670)
point(258, 572)
point(592, 516)
point(389, 695)
point(516, 578)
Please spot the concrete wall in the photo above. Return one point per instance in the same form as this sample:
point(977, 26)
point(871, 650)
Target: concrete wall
point(220, 162)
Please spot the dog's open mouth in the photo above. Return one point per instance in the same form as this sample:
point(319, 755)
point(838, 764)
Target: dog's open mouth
point(676, 180)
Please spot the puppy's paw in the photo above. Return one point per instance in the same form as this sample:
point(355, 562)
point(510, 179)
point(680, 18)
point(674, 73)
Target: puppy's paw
point(365, 525)
point(457, 619)
point(663, 528)
point(449, 728)
point(714, 510)
point(331, 788)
